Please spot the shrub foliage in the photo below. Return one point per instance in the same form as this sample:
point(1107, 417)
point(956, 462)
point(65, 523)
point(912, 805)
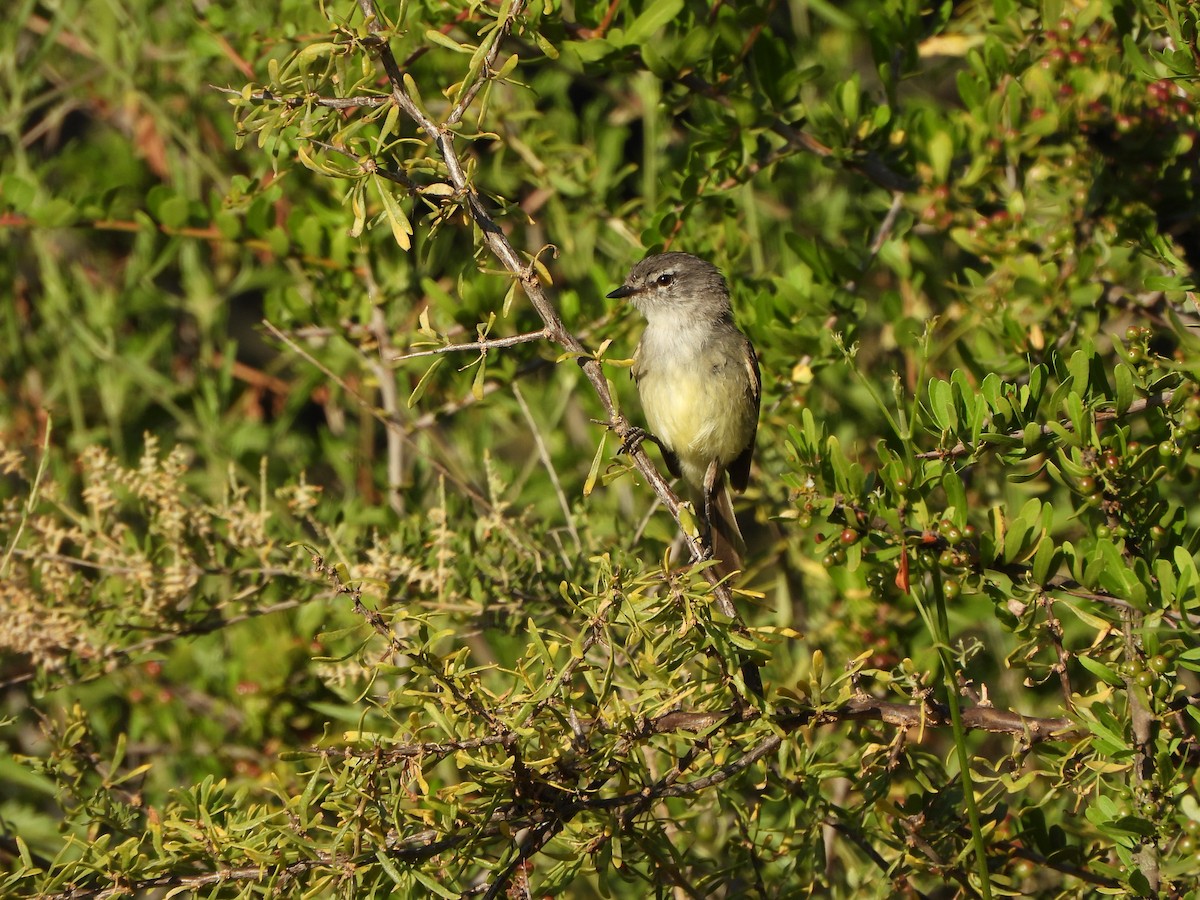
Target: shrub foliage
point(328, 568)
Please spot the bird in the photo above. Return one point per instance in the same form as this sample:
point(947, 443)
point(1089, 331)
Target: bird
point(700, 386)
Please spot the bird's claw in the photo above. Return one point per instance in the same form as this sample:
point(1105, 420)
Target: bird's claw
point(633, 439)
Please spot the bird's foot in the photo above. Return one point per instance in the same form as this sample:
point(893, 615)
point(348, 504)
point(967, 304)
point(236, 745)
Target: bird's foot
point(634, 438)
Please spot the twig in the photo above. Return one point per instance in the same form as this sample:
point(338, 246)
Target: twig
point(500, 246)
point(1142, 723)
point(1056, 635)
point(901, 715)
point(388, 396)
point(31, 501)
point(388, 421)
point(485, 70)
point(482, 345)
point(266, 96)
point(373, 618)
point(882, 233)
point(544, 455)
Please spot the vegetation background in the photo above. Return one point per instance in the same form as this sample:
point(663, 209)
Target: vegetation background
point(322, 574)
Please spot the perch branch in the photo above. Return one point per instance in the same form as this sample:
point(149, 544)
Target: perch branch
point(500, 246)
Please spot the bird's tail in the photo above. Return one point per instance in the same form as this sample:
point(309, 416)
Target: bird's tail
point(727, 548)
point(727, 542)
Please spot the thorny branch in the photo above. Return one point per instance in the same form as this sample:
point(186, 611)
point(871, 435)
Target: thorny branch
point(548, 818)
point(500, 246)
point(481, 345)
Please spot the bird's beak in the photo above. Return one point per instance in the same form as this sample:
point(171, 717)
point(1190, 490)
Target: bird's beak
point(621, 293)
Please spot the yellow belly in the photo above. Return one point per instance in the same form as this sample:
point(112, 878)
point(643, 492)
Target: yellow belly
point(699, 414)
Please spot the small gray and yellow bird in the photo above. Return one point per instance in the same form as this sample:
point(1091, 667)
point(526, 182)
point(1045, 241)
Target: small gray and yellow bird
point(699, 383)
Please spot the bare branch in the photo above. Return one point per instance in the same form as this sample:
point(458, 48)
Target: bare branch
point(265, 96)
point(933, 715)
point(548, 463)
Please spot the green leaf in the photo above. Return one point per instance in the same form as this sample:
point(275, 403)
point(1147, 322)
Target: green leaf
point(941, 152)
point(401, 229)
point(655, 17)
point(436, 37)
point(1124, 379)
point(1043, 561)
point(424, 382)
point(1080, 368)
point(430, 883)
point(544, 45)
point(594, 472)
point(941, 404)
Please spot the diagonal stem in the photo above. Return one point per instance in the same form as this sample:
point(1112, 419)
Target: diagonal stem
point(500, 246)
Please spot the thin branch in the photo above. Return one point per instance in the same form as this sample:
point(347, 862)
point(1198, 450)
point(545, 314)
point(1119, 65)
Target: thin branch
point(489, 62)
point(385, 377)
point(882, 233)
point(1054, 627)
point(266, 96)
point(373, 618)
point(1142, 728)
point(902, 715)
point(390, 422)
point(544, 456)
point(930, 714)
point(868, 164)
point(482, 345)
point(1075, 589)
point(500, 246)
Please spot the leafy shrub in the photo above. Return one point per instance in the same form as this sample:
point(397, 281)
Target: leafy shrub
point(328, 570)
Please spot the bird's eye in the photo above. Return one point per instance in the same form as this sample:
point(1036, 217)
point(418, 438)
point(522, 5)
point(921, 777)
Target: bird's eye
point(665, 278)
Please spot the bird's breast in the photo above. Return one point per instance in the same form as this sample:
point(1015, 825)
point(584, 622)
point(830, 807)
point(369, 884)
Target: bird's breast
point(695, 400)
